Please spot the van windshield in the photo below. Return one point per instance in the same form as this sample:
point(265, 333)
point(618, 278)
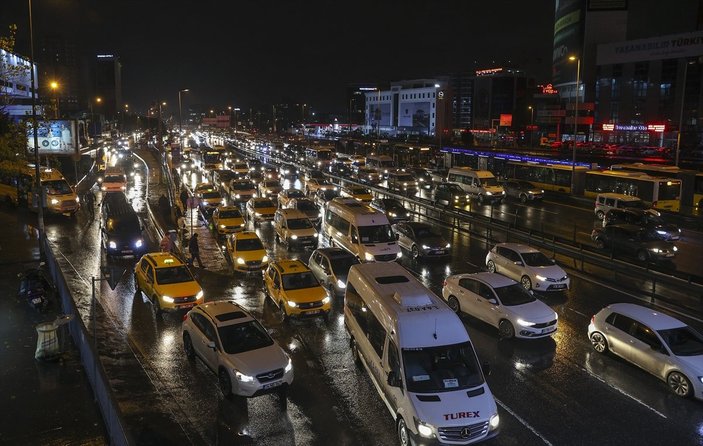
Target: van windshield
point(57, 187)
point(376, 234)
point(441, 369)
point(299, 223)
point(489, 181)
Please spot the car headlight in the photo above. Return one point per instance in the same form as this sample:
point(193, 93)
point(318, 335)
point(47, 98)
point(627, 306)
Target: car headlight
point(258, 214)
point(240, 261)
point(425, 247)
point(139, 243)
point(223, 226)
point(400, 254)
point(489, 193)
point(542, 278)
point(494, 421)
point(341, 284)
point(294, 237)
point(326, 299)
point(264, 259)
point(660, 232)
point(242, 224)
point(199, 295)
point(449, 245)
point(112, 245)
point(289, 366)
point(656, 250)
point(675, 248)
point(292, 304)
point(168, 299)
point(237, 196)
point(54, 201)
point(424, 429)
point(253, 195)
point(78, 200)
point(242, 377)
point(392, 214)
point(369, 257)
point(525, 323)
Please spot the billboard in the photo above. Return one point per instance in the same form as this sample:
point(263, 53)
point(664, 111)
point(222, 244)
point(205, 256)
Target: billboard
point(55, 137)
point(415, 114)
point(665, 47)
point(568, 39)
point(380, 115)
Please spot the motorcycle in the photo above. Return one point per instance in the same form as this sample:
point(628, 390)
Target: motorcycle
point(35, 287)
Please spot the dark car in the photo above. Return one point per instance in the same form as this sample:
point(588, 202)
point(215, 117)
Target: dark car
point(522, 190)
point(121, 228)
point(402, 182)
point(450, 194)
point(420, 239)
point(222, 177)
point(423, 177)
point(340, 170)
point(653, 223)
point(394, 209)
point(635, 241)
point(186, 166)
point(288, 172)
point(331, 267)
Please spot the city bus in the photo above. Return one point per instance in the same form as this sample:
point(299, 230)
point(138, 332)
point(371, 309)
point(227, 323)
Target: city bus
point(662, 193)
point(212, 159)
point(318, 157)
point(17, 187)
point(551, 177)
point(691, 180)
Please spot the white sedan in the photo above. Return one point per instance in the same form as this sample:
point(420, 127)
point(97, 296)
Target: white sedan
point(530, 267)
point(500, 302)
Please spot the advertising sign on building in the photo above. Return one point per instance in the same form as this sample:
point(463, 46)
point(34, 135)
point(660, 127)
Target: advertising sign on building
point(414, 114)
point(380, 114)
point(568, 39)
point(506, 120)
point(55, 137)
point(673, 46)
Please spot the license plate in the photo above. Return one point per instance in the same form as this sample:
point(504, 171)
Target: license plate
point(186, 306)
point(547, 330)
point(271, 385)
point(438, 252)
point(312, 311)
point(670, 254)
point(559, 286)
point(36, 300)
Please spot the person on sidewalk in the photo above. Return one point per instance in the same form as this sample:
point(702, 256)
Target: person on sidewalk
point(164, 207)
point(166, 243)
point(194, 251)
point(89, 202)
point(184, 199)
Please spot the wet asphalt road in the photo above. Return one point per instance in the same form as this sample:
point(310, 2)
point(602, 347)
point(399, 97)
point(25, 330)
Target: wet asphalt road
point(554, 391)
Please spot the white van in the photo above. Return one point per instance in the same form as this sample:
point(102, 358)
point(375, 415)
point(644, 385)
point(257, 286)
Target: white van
point(610, 200)
point(380, 163)
point(482, 184)
point(361, 230)
point(293, 227)
point(114, 180)
point(419, 357)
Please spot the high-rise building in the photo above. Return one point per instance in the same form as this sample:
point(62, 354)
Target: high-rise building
point(59, 61)
point(108, 84)
point(356, 101)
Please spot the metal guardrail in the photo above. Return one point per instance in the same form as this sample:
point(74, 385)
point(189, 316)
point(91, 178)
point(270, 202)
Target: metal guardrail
point(486, 226)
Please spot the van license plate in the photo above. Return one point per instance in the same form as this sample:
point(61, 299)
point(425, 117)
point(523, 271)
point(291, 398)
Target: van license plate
point(271, 385)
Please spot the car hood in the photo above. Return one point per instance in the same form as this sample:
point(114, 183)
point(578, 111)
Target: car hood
point(496, 190)
point(535, 311)
point(549, 271)
point(455, 408)
point(261, 360)
point(306, 294)
point(659, 244)
point(230, 221)
point(309, 232)
point(433, 242)
point(265, 210)
point(182, 289)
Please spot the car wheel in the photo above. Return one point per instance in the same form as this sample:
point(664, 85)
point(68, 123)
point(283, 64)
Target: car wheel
point(526, 283)
point(225, 383)
point(600, 215)
point(188, 347)
point(599, 343)
point(355, 353)
point(679, 384)
point(491, 266)
point(454, 304)
point(600, 244)
point(415, 252)
point(283, 399)
point(523, 198)
point(403, 436)
point(506, 330)
point(642, 255)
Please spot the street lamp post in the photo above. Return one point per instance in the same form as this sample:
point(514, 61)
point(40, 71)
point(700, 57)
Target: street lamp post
point(576, 120)
point(37, 177)
point(532, 125)
point(180, 113)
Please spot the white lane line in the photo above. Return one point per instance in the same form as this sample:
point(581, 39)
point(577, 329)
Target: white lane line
point(634, 296)
point(522, 421)
point(473, 265)
point(577, 312)
point(624, 393)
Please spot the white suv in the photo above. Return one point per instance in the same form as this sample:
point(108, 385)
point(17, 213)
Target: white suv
point(530, 267)
point(238, 348)
point(609, 200)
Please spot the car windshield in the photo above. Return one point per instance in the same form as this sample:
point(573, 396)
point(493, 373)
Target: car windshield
point(376, 234)
point(263, 204)
point(306, 206)
point(489, 182)
point(249, 244)
point(299, 223)
point(297, 281)
point(295, 193)
point(244, 337)
point(359, 191)
point(329, 194)
point(316, 174)
point(405, 177)
point(536, 259)
point(441, 369)
point(232, 213)
point(340, 266)
point(454, 189)
point(635, 204)
point(271, 184)
point(683, 341)
point(115, 179)
point(57, 187)
point(423, 232)
point(211, 195)
point(392, 203)
point(125, 225)
point(173, 274)
point(514, 294)
point(242, 186)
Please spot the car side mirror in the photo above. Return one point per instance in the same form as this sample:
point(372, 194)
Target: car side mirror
point(493, 301)
point(211, 344)
point(486, 368)
point(394, 380)
point(554, 261)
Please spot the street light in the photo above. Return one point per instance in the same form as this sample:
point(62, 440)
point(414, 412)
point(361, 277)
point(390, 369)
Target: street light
point(576, 118)
point(532, 124)
point(54, 86)
point(180, 112)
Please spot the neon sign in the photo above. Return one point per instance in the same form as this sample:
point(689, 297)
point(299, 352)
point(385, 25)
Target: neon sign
point(658, 128)
point(549, 89)
point(488, 71)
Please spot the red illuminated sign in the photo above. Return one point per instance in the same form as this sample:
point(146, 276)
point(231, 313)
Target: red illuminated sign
point(549, 89)
point(658, 128)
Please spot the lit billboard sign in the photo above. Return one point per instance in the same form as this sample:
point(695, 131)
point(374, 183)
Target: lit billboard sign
point(54, 137)
point(658, 48)
point(414, 114)
point(657, 128)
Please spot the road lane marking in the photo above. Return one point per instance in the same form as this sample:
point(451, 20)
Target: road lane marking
point(522, 421)
point(624, 393)
point(577, 312)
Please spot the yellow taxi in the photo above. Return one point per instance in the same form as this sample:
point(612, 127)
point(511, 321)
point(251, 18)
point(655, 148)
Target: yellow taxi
point(228, 219)
point(246, 252)
point(167, 282)
point(294, 289)
point(358, 193)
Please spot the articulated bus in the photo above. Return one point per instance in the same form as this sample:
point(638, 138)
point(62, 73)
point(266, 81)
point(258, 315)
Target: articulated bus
point(663, 193)
point(691, 180)
point(17, 187)
point(318, 157)
point(552, 177)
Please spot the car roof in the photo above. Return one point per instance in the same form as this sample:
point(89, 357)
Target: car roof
point(619, 196)
point(163, 259)
point(245, 235)
point(260, 199)
point(227, 208)
point(418, 224)
point(652, 318)
point(225, 312)
point(292, 213)
point(335, 253)
point(290, 266)
point(518, 247)
point(494, 280)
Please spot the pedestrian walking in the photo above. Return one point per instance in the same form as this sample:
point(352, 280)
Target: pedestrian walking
point(176, 178)
point(184, 199)
point(164, 207)
point(89, 203)
point(194, 251)
point(166, 243)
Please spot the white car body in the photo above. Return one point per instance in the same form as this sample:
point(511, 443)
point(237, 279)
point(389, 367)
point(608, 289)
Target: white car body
point(528, 266)
point(475, 295)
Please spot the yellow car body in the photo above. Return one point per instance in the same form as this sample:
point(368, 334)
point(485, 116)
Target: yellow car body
point(280, 280)
point(225, 224)
point(167, 282)
point(244, 253)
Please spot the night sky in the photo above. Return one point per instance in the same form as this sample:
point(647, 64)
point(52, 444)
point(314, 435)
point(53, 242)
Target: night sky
point(252, 53)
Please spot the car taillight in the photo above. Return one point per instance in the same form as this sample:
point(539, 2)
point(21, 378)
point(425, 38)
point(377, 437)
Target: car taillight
point(593, 318)
point(444, 283)
point(185, 317)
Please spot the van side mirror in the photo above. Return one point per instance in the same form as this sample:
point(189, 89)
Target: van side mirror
point(493, 301)
point(554, 261)
point(211, 344)
point(394, 380)
point(486, 368)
